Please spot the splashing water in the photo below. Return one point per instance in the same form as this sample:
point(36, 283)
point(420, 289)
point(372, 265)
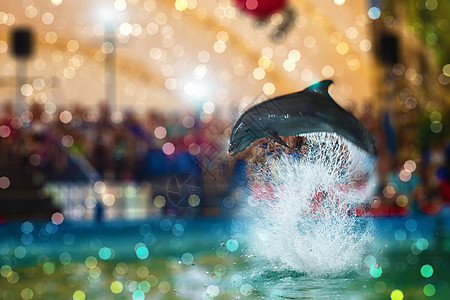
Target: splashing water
point(303, 206)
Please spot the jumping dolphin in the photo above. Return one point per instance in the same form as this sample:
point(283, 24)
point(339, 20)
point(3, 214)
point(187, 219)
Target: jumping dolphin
point(310, 110)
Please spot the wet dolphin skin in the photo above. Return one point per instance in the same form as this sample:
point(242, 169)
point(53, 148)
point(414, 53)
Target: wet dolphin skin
point(307, 111)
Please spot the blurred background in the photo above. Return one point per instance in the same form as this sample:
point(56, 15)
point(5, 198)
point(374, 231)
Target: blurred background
point(119, 112)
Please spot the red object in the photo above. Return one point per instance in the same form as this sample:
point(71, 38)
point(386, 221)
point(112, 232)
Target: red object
point(431, 208)
point(2, 220)
point(260, 8)
point(380, 211)
point(388, 211)
point(397, 211)
point(262, 192)
point(265, 193)
point(360, 212)
point(445, 190)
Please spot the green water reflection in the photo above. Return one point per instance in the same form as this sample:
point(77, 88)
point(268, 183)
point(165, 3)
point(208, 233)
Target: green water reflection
point(210, 259)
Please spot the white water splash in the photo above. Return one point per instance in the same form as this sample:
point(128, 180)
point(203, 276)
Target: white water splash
point(303, 207)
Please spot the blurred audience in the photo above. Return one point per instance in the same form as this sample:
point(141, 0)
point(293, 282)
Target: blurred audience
point(82, 144)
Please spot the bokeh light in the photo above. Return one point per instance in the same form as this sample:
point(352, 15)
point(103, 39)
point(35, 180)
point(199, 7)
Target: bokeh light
point(339, 2)
point(104, 253)
point(429, 290)
point(159, 201)
point(168, 148)
point(164, 287)
point(116, 287)
point(117, 99)
point(79, 295)
point(232, 245)
point(374, 13)
point(57, 218)
point(397, 295)
point(4, 182)
point(187, 258)
point(194, 200)
point(375, 272)
point(426, 271)
point(141, 251)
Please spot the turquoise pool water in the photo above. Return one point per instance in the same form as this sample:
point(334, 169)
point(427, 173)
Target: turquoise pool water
point(210, 258)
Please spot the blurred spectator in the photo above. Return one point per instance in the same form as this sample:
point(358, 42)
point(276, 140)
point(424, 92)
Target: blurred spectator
point(127, 147)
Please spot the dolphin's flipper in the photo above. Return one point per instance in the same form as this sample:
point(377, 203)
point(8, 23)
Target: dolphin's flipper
point(275, 137)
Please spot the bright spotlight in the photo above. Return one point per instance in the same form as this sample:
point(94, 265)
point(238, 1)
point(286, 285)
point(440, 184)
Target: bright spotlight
point(106, 15)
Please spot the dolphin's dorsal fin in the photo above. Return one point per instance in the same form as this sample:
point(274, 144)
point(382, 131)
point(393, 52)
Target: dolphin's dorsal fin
point(320, 87)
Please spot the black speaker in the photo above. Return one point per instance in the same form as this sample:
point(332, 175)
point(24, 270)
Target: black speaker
point(388, 49)
point(22, 42)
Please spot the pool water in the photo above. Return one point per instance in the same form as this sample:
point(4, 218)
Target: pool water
point(210, 258)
